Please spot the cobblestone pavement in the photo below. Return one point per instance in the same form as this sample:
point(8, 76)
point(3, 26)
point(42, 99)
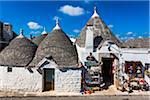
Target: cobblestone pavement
point(79, 98)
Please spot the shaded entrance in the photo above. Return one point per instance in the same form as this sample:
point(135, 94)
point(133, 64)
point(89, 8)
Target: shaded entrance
point(48, 79)
point(107, 71)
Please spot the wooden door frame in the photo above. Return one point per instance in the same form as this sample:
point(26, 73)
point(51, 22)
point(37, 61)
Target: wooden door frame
point(110, 59)
point(43, 78)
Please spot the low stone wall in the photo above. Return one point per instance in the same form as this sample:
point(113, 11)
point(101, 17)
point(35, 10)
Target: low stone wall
point(20, 79)
point(69, 81)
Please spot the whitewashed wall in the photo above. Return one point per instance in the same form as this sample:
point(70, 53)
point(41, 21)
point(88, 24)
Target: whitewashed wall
point(69, 81)
point(20, 79)
point(83, 53)
point(113, 48)
point(136, 55)
point(80, 52)
point(128, 54)
point(1, 77)
point(66, 81)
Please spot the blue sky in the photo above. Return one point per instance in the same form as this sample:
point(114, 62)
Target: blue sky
point(126, 19)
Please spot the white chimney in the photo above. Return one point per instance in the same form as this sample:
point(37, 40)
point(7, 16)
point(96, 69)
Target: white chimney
point(89, 39)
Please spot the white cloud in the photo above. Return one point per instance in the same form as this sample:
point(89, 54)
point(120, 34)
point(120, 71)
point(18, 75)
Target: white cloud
point(118, 35)
point(130, 37)
point(35, 32)
point(56, 17)
point(147, 33)
point(86, 1)
point(76, 31)
point(110, 26)
point(126, 38)
point(130, 33)
point(34, 25)
point(72, 11)
point(140, 37)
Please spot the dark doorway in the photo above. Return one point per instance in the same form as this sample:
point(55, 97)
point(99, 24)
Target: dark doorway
point(48, 79)
point(107, 71)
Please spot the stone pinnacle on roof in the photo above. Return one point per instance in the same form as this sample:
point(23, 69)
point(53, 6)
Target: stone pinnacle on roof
point(101, 32)
point(57, 27)
point(58, 45)
point(95, 13)
point(21, 34)
point(44, 32)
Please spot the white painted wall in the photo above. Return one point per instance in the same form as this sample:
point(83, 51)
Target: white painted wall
point(83, 53)
point(66, 81)
point(1, 77)
point(20, 79)
point(104, 49)
point(136, 55)
point(69, 81)
point(128, 54)
point(80, 52)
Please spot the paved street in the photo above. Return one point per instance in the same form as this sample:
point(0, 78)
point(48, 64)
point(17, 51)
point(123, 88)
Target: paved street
point(109, 94)
point(79, 98)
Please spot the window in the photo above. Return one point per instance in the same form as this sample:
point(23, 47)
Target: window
point(9, 69)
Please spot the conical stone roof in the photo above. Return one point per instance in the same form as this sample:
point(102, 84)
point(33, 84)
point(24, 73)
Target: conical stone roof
point(58, 45)
point(138, 43)
point(100, 30)
point(37, 40)
point(19, 52)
